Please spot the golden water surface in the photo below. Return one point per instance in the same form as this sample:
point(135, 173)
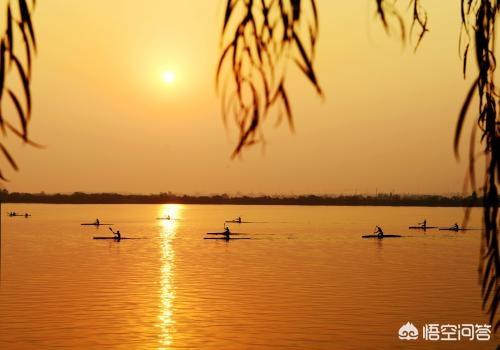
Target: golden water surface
point(306, 280)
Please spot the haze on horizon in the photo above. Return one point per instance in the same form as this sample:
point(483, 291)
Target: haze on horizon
point(124, 99)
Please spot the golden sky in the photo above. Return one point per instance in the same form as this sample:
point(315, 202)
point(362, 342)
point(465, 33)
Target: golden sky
point(111, 123)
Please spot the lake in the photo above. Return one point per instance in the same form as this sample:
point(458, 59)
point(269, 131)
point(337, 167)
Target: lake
point(305, 279)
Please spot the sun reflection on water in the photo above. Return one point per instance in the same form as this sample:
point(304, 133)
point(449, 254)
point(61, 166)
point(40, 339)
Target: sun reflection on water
point(168, 230)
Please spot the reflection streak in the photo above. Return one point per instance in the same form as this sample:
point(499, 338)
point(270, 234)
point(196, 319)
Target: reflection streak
point(167, 233)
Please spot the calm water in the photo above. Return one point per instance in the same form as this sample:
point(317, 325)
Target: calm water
point(306, 280)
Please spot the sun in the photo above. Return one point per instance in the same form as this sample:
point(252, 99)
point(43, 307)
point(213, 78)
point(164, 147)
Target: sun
point(168, 77)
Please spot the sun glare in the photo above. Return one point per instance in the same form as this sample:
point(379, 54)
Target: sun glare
point(168, 77)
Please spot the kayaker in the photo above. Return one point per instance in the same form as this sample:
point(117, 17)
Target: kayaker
point(378, 231)
point(424, 223)
point(97, 222)
point(117, 234)
point(239, 219)
point(168, 217)
point(227, 232)
point(456, 227)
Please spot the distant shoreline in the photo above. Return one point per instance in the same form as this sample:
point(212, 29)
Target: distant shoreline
point(304, 200)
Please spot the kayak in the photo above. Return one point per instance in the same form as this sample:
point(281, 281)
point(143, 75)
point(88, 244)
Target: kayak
point(456, 229)
point(223, 233)
point(117, 239)
point(377, 236)
point(94, 224)
point(421, 227)
point(245, 222)
point(226, 239)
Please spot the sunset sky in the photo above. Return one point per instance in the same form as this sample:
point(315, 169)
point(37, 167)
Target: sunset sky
point(124, 100)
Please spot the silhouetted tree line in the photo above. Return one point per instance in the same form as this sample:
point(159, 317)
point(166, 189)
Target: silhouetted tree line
point(382, 199)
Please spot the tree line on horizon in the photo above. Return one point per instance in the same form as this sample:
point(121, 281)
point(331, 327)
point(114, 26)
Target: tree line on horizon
point(309, 199)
